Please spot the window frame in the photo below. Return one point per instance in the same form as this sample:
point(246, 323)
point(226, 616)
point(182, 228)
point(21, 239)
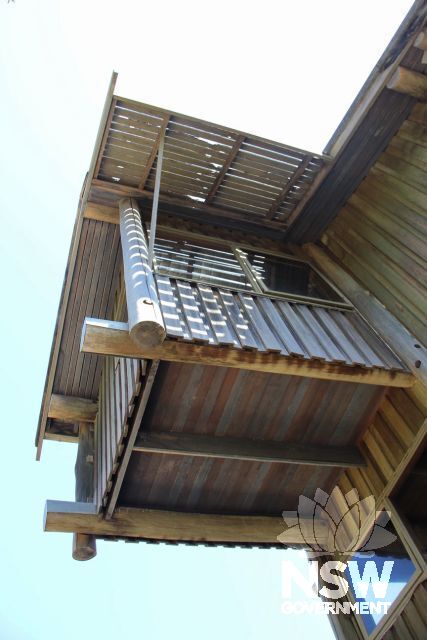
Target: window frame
point(258, 287)
point(398, 605)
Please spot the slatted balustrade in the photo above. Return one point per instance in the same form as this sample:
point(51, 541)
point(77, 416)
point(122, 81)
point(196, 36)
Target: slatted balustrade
point(119, 386)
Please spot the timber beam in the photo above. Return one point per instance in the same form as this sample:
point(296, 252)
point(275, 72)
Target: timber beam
point(155, 524)
point(106, 337)
point(410, 83)
point(119, 191)
point(72, 408)
point(247, 449)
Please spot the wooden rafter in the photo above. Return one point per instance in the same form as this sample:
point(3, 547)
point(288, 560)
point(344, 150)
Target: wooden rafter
point(409, 82)
point(123, 191)
point(106, 337)
point(193, 444)
point(156, 524)
point(288, 186)
point(225, 167)
point(72, 409)
point(153, 155)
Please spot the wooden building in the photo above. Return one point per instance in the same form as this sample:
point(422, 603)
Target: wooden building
point(242, 322)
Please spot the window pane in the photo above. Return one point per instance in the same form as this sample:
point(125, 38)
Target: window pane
point(377, 578)
point(182, 259)
point(285, 275)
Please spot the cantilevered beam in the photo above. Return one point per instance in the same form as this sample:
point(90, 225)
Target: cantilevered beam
point(409, 82)
point(421, 41)
point(106, 337)
point(123, 191)
point(154, 524)
point(288, 186)
point(225, 167)
point(245, 449)
point(72, 409)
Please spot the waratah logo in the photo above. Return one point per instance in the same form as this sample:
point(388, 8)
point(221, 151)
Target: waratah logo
point(360, 516)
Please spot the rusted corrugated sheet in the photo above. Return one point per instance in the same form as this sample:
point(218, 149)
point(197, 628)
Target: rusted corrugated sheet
point(198, 312)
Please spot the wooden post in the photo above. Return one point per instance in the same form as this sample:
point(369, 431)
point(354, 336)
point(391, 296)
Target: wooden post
point(146, 327)
point(84, 545)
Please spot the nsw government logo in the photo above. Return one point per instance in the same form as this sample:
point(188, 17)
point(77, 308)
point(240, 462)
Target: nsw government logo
point(339, 541)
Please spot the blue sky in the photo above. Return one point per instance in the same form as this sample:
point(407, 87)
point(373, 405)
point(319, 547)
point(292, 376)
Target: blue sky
point(286, 71)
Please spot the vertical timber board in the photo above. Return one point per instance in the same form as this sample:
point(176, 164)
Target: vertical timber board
point(392, 439)
point(380, 234)
point(119, 386)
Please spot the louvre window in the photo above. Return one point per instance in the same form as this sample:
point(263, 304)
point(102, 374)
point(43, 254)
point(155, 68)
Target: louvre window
point(193, 261)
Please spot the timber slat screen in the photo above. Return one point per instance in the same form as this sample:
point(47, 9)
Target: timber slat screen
point(119, 386)
point(204, 164)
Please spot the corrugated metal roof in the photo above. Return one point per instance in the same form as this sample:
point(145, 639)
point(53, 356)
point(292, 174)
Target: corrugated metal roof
point(201, 313)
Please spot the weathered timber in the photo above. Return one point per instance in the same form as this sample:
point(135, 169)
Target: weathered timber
point(72, 258)
point(128, 446)
point(72, 409)
point(409, 82)
point(102, 213)
point(84, 544)
point(193, 444)
point(173, 200)
point(146, 327)
point(106, 337)
point(421, 41)
point(178, 526)
point(225, 167)
point(408, 348)
point(154, 153)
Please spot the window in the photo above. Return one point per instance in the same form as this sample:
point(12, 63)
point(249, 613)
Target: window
point(286, 275)
point(196, 261)
point(233, 267)
point(379, 577)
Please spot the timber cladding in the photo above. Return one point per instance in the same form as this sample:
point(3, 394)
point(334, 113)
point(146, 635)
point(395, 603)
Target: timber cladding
point(412, 621)
point(223, 403)
point(391, 443)
point(380, 234)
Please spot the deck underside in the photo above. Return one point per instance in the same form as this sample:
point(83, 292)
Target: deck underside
point(221, 402)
